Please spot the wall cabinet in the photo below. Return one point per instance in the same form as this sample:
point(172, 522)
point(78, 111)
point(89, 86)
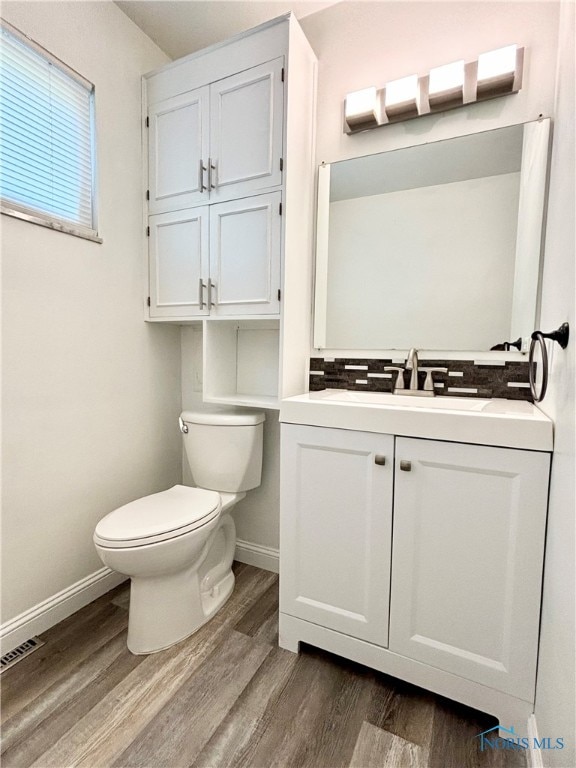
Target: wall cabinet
point(179, 262)
point(178, 150)
point(217, 260)
point(229, 186)
point(246, 113)
point(217, 142)
point(464, 531)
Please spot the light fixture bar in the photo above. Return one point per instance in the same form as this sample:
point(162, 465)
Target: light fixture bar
point(494, 73)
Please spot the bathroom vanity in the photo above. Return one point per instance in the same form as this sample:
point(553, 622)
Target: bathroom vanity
point(412, 539)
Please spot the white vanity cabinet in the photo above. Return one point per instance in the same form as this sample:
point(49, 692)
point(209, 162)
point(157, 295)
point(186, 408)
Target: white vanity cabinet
point(469, 525)
point(336, 528)
point(463, 527)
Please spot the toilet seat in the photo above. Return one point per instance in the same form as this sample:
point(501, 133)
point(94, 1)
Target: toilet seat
point(158, 517)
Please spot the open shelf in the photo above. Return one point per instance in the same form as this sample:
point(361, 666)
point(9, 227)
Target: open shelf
point(241, 359)
point(250, 401)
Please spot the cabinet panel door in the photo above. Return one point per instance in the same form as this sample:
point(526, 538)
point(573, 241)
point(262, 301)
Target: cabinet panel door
point(178, 261)
point(336, 528)
point(469, 524)
point(246, 131)
point(178, 137)
point(245, 255)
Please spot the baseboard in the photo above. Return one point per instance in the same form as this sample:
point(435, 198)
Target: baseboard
point(535, 759)
point(266, 558)
point(49, 612)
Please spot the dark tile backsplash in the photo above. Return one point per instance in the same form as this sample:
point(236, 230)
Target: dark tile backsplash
point(464, 377)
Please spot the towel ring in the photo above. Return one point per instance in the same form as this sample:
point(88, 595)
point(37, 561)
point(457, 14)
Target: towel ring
point(538, 337)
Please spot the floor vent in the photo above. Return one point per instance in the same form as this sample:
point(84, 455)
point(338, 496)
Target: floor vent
point(12, 657)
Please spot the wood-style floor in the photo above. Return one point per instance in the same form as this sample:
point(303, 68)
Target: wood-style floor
point(227, 696)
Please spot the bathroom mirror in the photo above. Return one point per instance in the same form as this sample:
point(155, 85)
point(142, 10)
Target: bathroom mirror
point(435, 246)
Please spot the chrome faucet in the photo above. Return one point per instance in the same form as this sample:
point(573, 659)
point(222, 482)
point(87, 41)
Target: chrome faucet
point(412, 365)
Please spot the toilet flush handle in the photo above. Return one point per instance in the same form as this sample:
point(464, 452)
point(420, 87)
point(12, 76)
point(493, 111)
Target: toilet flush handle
point(183, 426)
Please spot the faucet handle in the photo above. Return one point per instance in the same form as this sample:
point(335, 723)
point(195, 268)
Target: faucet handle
point(429, 381)
point(400, 378)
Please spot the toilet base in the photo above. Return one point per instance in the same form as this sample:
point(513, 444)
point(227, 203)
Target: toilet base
point(169, 608)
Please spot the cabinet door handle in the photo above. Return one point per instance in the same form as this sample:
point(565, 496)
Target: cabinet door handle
point(201, 286)
point(211, 287)
point(201, 170)
point(380, 460)
point(212, 174)
point(406, 466)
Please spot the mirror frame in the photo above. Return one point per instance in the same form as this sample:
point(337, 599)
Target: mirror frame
point(529, 242)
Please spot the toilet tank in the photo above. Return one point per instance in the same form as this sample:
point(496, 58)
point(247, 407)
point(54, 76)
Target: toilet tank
point(224, 448)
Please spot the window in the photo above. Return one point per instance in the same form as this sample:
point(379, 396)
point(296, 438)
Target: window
point(46, 138)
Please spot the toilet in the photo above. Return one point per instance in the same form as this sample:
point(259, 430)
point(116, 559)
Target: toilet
point(177, 546)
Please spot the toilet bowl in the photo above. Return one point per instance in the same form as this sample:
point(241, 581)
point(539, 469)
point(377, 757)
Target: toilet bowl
point(177, 546)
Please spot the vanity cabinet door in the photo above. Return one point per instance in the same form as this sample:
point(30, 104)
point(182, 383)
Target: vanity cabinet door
point(469, 525)
point(178, 135)
point(246, 131)
point(336, 526)
point(178, 261)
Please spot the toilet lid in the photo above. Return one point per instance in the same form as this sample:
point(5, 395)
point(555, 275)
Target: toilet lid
point(158, 517)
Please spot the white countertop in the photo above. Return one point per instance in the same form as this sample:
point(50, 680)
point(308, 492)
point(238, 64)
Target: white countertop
point(506, 423)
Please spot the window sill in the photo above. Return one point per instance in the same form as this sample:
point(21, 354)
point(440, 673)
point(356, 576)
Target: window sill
point(54, 224)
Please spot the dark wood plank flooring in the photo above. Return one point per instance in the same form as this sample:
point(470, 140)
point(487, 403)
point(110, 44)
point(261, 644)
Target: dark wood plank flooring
point(228, 697)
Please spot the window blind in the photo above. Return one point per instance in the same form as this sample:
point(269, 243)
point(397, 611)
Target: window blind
point(46, 135)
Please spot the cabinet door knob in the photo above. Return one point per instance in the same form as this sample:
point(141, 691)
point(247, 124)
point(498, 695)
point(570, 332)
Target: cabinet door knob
point(406, 466)
point(380, 460)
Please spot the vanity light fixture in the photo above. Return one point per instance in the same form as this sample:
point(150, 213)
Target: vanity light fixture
point(494, 73)
point(499, 72)
point(446, 85)
point(362, 109)
point(400, 97)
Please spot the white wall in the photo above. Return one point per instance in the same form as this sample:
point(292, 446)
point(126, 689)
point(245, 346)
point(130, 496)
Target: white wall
point(425, 285)
point(556, 686)
point(91, 392)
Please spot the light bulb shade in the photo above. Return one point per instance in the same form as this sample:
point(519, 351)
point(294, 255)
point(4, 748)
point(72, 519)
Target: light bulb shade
point(499, 71)
point(400, 97)
point(362, 109)
point(446, 84)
